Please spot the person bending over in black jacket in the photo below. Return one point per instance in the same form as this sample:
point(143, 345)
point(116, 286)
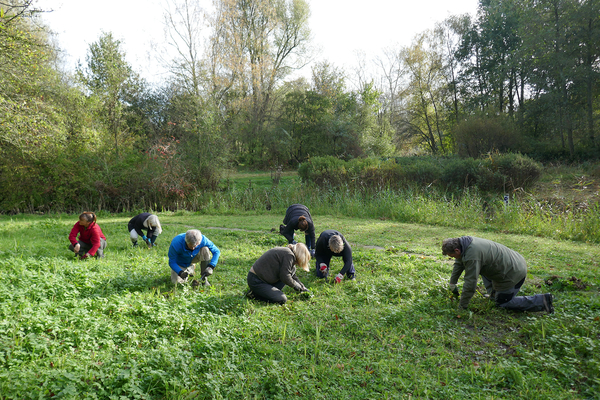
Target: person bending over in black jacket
point(331, 243)
point(149, 223)
point(297, 216)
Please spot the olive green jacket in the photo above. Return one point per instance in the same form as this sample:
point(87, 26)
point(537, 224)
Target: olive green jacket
point(503, 266)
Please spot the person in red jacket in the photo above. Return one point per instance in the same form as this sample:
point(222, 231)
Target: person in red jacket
point(91, 242)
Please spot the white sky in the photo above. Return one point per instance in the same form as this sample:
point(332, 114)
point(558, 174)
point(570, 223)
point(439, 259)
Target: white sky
point(340, 28)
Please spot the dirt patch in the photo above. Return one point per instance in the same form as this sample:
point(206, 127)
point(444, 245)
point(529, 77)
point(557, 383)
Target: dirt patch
point(572, 282)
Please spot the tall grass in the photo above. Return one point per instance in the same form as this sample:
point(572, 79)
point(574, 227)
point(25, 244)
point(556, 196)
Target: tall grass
point(466, 209)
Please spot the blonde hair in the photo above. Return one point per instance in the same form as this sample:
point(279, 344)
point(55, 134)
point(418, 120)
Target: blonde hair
point(302, 255)
point(336, 244)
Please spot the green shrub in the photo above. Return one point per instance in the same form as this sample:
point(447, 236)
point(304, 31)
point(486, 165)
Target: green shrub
point(324, 171)
point(481, 134)
point(495, 173)
point(502, 172)
point(420, 170)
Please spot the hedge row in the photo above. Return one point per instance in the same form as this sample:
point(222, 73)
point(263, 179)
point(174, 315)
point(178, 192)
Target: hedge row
point(493, 173)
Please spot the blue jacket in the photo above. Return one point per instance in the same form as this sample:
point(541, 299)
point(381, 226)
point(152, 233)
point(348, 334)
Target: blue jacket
point(181, 257)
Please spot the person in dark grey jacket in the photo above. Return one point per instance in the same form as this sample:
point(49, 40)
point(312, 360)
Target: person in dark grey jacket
point(503, 272)
point(297, 216)
point(331, 243)
point(275, 269)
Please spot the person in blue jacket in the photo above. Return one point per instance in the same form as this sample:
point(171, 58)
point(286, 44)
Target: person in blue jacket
point(187, 250)
point(297, 216)
point(149, 223)
point(331, 243)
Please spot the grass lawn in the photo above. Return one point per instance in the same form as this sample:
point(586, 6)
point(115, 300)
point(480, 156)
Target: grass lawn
point(116, 328)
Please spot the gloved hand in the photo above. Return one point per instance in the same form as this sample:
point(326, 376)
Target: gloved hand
point(454, 289)
point(324, 270)
point(294, 242)
point(84, 256)
point(183, 274)
point(312, 252)
point(144, 238)
point(207, 272)
point(338, 278)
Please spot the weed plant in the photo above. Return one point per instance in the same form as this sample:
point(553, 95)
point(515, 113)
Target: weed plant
point(117, 328)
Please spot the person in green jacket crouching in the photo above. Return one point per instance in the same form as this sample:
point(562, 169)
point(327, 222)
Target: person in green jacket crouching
point(503, 272)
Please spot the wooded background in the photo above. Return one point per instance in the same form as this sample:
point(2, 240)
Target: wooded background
point(522, 76)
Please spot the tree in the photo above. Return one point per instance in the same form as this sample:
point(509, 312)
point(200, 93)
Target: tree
point(450, 32)
point(427, 95)
point(255, 44)
point(564, 47)
point(376, 138)
point(490, 52)
point(108, 76)
point(183, 31)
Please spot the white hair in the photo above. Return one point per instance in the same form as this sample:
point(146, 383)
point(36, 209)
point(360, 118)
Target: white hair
point(193, 237)
point(336, 244)
point(153, 222)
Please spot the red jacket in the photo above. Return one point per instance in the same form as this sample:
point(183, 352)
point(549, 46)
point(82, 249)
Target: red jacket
point(90, 235)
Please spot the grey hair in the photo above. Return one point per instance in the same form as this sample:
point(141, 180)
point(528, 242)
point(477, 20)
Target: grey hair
point(450, 245)
point(336, 244)
point(153, 222)
point(193, 237)
point(302, 255)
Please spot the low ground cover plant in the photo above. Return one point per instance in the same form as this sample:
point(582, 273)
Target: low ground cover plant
point(117, 328)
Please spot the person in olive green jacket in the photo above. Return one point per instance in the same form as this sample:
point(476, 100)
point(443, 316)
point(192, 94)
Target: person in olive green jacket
point(503, 272)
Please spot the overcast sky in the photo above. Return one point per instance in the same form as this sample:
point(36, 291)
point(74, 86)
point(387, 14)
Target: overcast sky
point(340, 28)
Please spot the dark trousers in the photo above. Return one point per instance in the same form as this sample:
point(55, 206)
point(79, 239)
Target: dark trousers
point(84, 248)
point(508, 299)
point(266, 292)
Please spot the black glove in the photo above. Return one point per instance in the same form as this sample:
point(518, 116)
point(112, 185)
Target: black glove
point(312, 252)
point(183, 275)
point(207, 272)
point(454, 289)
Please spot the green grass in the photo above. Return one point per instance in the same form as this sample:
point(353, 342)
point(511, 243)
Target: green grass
point(117, 328)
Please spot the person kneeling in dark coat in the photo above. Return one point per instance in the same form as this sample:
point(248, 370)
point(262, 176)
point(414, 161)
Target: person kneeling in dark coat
point(275, 269)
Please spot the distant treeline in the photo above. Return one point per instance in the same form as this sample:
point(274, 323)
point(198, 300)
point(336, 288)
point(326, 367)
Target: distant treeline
point(521, 77)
